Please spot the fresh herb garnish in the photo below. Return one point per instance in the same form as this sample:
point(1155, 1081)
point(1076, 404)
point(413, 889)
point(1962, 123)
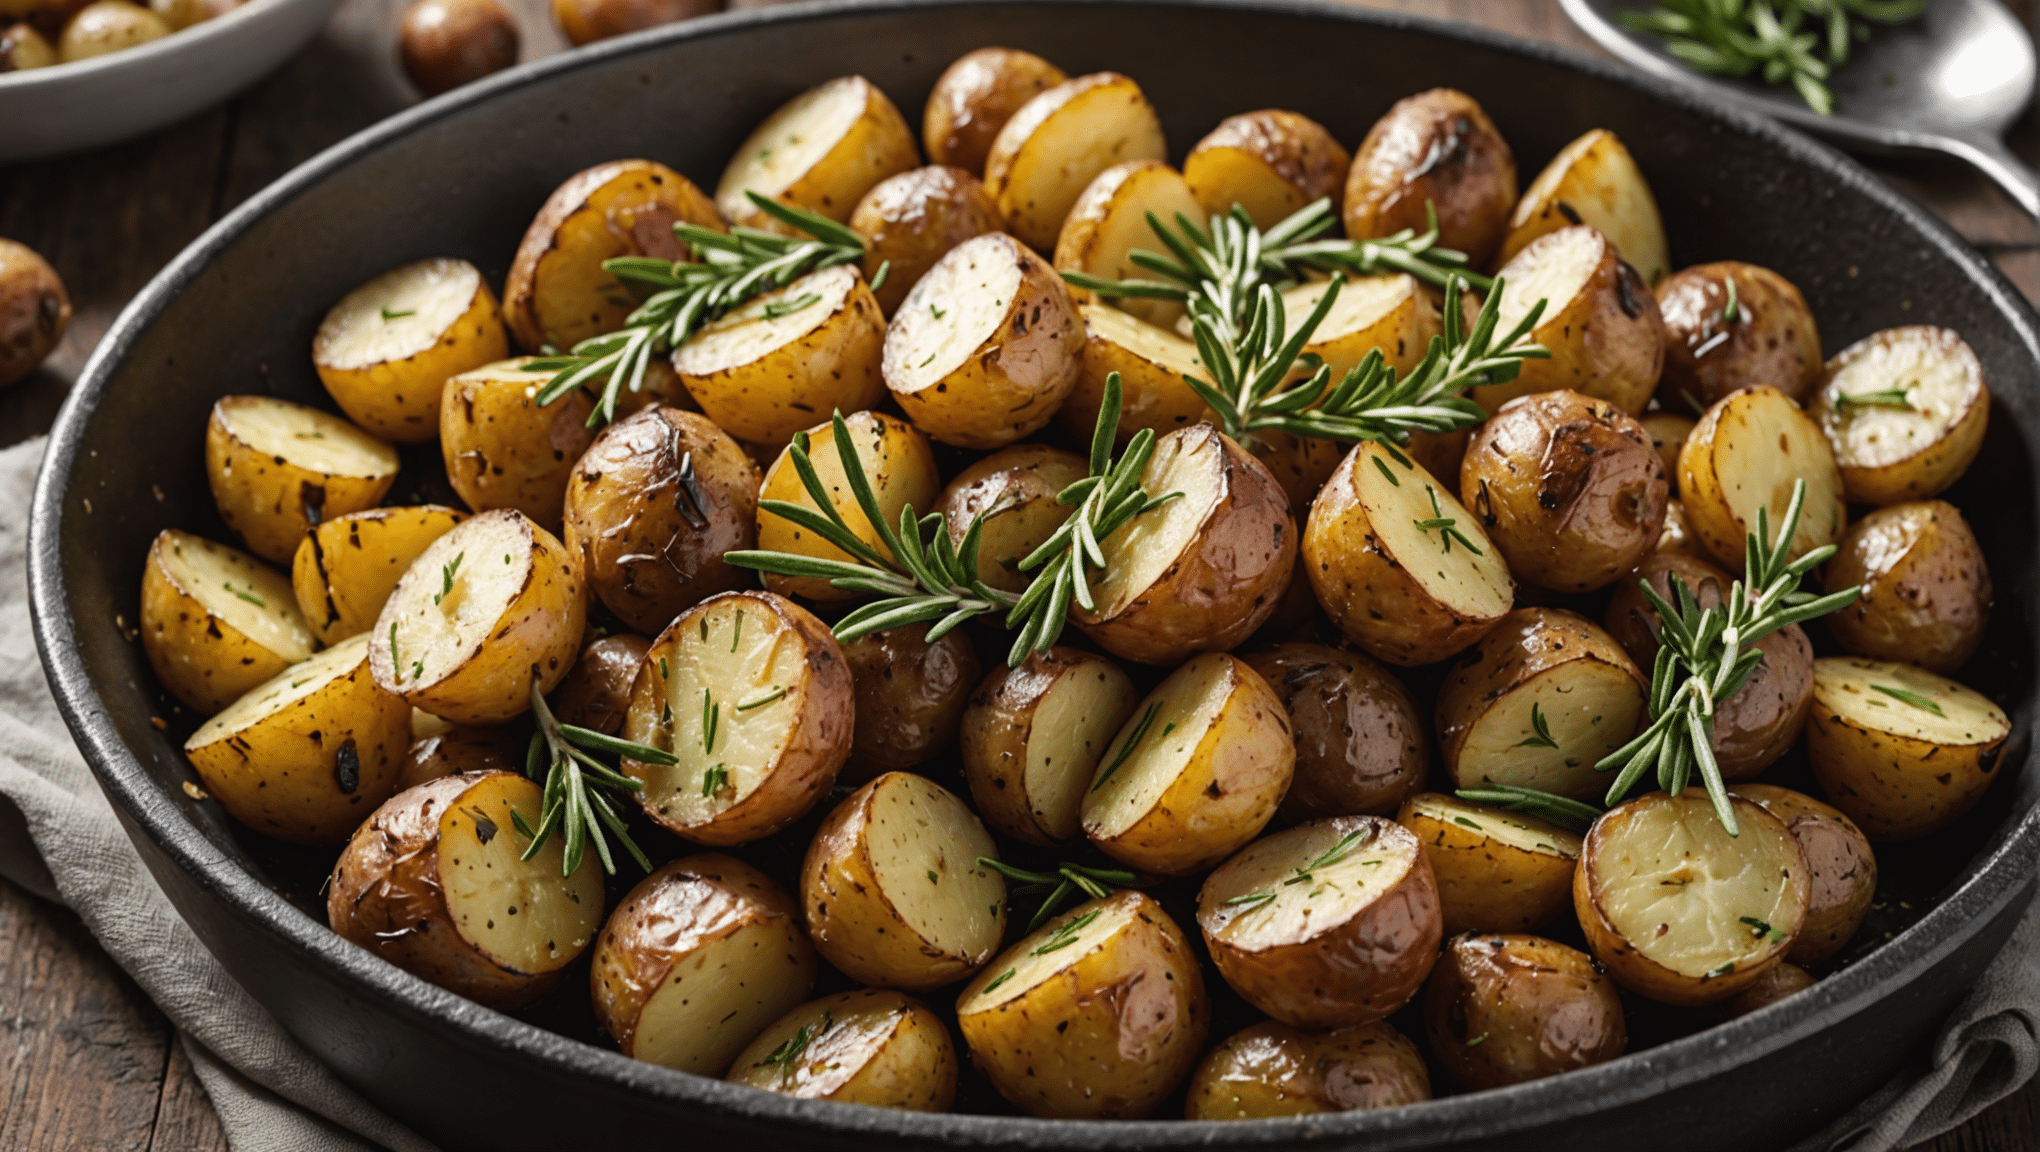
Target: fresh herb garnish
point(250, 597)
point(1923, 703)
point(737, 634)
point(1001, 978)
point(1096, 883)
point(1445, 526)
point(711, 718)
point(1126, 749)
point(775, 309)
point(762, 701)
point(1731, 309)
point(1542, 739)
point(1801, 41)
point(1066, 935)
point(573, 801)
point(1883, 398)
point(790, 1050)
point(1763, 929)
point(446, 574)
point(388, 315)
point(1563, 811)
point(1304, 874)
point(1478, 1039)
point(712, 781)
point(396, 660)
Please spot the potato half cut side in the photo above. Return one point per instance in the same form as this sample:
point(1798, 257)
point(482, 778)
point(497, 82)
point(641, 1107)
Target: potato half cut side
point(216, 622)
point(1325, 925)
point(1195, 773)
point(899, 465)
point(1902, 751)
point(1015, 489)
point(1058, 142)
point(973, 99)
point(701, 957)
point(893, 891)
point(1841, 869)
point(1151, 362)
point(1890, 451)
point(1600, 322)
point(485, 610)
point(502, 448)
point(750, 691)
point(387, 348)
point(1389, 314)
point(1593, 181)
point(1508, 1009)
point(1098, 1014)
point(1407, 594)
point(1109, 222)
point(871, 1046)
point(435, 883)
point(278, 468)
point(1033, 736)
point(1272, 1069)
point(1271, 162)
point(822, 151)
point(347, 567)
point(306, 756)
point(1746, 453)
point(1497, 871)
point(1677, 909)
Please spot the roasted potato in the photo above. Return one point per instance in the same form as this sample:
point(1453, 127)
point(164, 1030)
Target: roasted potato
point(106, 26)
point(1327, 925)
point(1678, 535)
point(1110, 220)
point(1926, 587)
point(1057, 142)
point(1841, 870)
point(822, 151)
point(1677, 909)
point(1397, 589)
point(387, 348)
point(1730, 326)
point(1593, 181)
point(702, 956)
point(1098, 1014)
point(1746, 453)
point(1300, 464)
point(986, 347)
point(1569, 488)
point(751, 692)
point(870, 1046)
point(912, 220)
point(503, 449)
point(1906, 410)
point(1902, 751)
point(1667, 432)
point(464, 636)
point(1777, 983)
point(973, 99)
point(216, 623)
point(307, 755)
point(34, 308)
point(651, 508)
point(1504, 1010)
point(346, 568)
point(23, 47)
point(278, 468)
point(911, 694)
point(1437, 149)
point(558, 293)
point(1196, 774)
point(1272, 163)
point(1392, 314)
point(1151, 362)
point(1537, 703)
point(447, 43)
point(1600, 322)
point(892, 889)
point(898, 464)
point(1033, 736)
point(1497, 871)
point(586, 21)
point(437, 883)
point(789, 357)
point(1015, 489)
point(1200, 572)
point(1272, 1069)
point(456, 750)
point(1361, 744)
point(595, 694)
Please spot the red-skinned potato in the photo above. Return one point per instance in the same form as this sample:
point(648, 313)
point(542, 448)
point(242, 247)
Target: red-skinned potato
point(1730, 326)
point(1841, 869)
point(1503, 1009)
point(911, 693)
point(1438, 148)
point(1361, 743)
point(1272, 1069)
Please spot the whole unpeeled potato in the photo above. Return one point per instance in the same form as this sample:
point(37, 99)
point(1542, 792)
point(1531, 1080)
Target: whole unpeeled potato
point(34, 310)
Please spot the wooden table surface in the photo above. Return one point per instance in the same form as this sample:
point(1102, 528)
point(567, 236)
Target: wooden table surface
point(86, 1061)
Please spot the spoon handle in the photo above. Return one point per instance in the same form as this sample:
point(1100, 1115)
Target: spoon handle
point(1993, 159)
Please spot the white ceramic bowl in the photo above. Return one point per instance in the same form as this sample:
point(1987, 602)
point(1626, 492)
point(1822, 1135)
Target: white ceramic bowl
point(68, 107)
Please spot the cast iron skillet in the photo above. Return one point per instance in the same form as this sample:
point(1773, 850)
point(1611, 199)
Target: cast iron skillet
point(462, 176)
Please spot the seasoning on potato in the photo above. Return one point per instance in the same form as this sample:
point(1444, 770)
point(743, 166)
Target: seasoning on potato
point(912, 220)
point(215, 622)
point(973, 99)
point(586, 21)
point(595, 693)
point(1434, 151)
point(1272, 1069)
point(1508, 1009)
point(502, 449)
point(1600, 322)
point(1593, 181)
point(1362, 746)
point(1272, 163)
point(822, 151)
point(278, 469)
point(447, 43)
point(899, 466)
point(1905, 410)
point(911, 694)
point(387, 348)
point(34, 308)
point(1032, 738)
point(460, 749)
point(1841, 869)
point(1667, 432)
point(1015, 489)
point(871, 1046)
point(1902, 751)
point(346, 568)
point(1109, 222)
point(1052, 147)
point(1497, 871)
point(1151, 362)
point(1730, 326)
point(1746, 454)
point(1926, 586)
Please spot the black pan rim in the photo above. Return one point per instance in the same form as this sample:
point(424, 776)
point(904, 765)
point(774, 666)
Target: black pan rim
point(1993, 886)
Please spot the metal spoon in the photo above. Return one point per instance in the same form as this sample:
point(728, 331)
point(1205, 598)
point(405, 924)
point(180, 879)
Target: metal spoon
point(1950, 82)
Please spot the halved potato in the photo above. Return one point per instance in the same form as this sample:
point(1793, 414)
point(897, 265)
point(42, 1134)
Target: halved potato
point(1300, 464)
point(898, 464)
point(1271, 162)
point(1593, 181)
point(347, 567)
point(502, 449)
point(1327, 925)
point(911, 694)
point(491, 606)
point(1272, 1069)
point(1902, 751)
point(1888, 452)
point(1926, 586)
point(558, 293)
point(1777, 983)
point(702, 956)
point(277, 469)
point(822, 151)
point(1151, 362)
point(893, 891)
point(305, 756)
point(215, 621)
point(1098, 1014)
point(595, 694)
point(1390, 314)
point(1361, 744)
point(435, 883)
point(1109, 221)
point(1841, 869)
point(986, 346)
point(788, 358)
point(1667, 432)
point(1033, 736)
point(1497, 871)
point(1201, 572)
point(1746, 453)
point(1600, 322)
point(973, 99)
point(1678, 910)
point(1729, 326)
point(911, 220)
point(1407, 594)
point(870, 1046)
point(387, 348)
point(1503, 1010)
point(1436, 149)
point(458, 750)
point(1015, 490)
point(750, 691)
point(1058, 142)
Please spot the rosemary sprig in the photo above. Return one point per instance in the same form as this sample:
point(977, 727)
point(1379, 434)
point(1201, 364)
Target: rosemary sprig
point(1923, 703)
point(1551, 808)
point(573, 804)
point(789, 1050)
point(1066, 935)
point(1706, 656)
point(1347, 845)
point(1801, 41)
point(1447, 527)
point(1094, 883)
point(1542, 727)
point(1883, 398)
point(1132, 742)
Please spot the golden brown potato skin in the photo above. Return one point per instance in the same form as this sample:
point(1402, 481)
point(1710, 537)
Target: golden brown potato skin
point(913, 219)
point(1484, 884)
point(1787, 979)
point(448, 43)
point(999, 727)
point(652, 507)
point(596, 691)
point(910, 697)
point(1608, 340)
point(1305, 161)
point(1507, 1009)
point(34, 310)
point(585, 21)
point(461, 749)
point(1568, 487)
point(1772, 339)
point(504, 451)
point(1841, 870)
point(1272, 1069)
point(1436, 147)
point(1926, 588)
point(1361, 744)
point(973, 99)
point(1016, 489)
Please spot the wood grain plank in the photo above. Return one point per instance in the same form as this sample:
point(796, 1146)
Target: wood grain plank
point(185, 1120)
